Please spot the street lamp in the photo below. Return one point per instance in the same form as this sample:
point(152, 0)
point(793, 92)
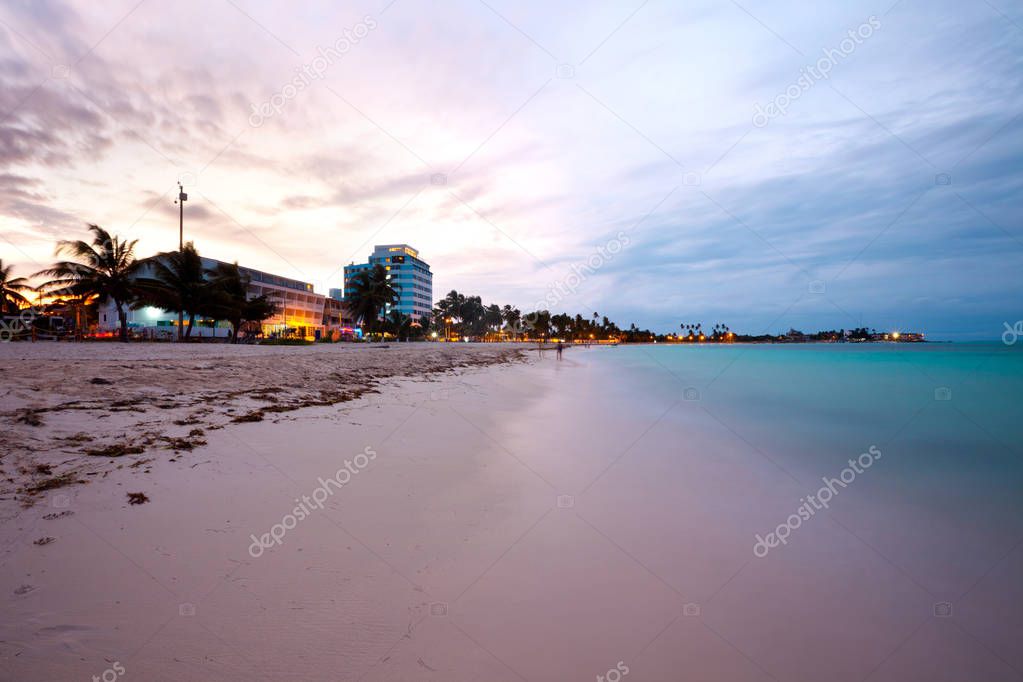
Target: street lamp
point(182, 198)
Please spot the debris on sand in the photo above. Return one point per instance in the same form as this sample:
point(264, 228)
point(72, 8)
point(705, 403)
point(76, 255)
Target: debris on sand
point(76, 400)
point(51, 483)
point(137, 498)
point(29, 416)
point(58, 515)
point(179, 444)
point(116, 450)
point(77, 438)
point(44, 541)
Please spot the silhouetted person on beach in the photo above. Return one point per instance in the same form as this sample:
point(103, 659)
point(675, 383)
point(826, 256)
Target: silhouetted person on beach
point(561, 347)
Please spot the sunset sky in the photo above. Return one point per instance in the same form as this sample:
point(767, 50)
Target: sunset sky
point(508, 140)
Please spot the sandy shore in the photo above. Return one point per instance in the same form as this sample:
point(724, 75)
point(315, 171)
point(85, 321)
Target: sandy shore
point(544, 520)
point(179, 588)
point(73, 412)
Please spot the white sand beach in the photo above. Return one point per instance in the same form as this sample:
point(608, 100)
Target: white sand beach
point(539, 520)
point(74, 410)
point(171, 589)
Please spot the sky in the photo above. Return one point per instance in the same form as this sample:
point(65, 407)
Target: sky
point(764, 165)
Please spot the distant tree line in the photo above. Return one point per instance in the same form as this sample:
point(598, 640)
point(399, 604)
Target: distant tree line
point(467, 316)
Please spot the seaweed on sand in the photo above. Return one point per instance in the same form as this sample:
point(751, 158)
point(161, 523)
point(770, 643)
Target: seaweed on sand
point(29, 416)
point(116, 450)
point(137, 498)
point(52, 483)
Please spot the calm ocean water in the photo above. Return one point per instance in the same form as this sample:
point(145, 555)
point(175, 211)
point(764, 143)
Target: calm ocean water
point(954, 408)
point(680, 457)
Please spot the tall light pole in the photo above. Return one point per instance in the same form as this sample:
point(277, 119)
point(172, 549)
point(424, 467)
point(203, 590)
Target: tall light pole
point(182, 198)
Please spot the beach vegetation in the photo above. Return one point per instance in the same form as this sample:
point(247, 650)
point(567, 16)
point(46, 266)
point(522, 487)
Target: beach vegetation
point(53, 483)
point(137, 498)
point(228, 299)
point(371, 292)
point(12, 290)
point(178, 284)
point(399, 324)
point(104, 269)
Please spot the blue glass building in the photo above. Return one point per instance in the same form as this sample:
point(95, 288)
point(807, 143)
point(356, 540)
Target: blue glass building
point(409, 274)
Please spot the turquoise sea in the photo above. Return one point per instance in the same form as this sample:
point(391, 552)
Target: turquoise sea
point(682, 456)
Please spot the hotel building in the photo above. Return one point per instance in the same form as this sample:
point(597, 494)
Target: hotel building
point(409, 275)
point(299, 309)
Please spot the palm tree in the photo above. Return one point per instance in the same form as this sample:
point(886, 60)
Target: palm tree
point(229, 292)
point(539, 323)
point(106, 270)
point(492, 316)
point(424, 322)
point(178, 284)
point(452, 304)
point(400, 324)
point(473, 315)
point(11, 298)
point(228, 298)
point(256, 310)
point(371, 292)
point(512, 317)
point(561, 323)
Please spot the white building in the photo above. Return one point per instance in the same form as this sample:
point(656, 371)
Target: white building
point(299, 309)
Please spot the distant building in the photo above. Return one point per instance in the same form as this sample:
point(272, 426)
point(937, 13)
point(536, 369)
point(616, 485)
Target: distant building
point(335, 317)
point(409, 274)
point(300, 311)
point(336, 294)
point(900, 337)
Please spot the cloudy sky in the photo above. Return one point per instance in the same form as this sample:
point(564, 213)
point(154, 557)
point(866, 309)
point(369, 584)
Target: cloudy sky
point(763, 164)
